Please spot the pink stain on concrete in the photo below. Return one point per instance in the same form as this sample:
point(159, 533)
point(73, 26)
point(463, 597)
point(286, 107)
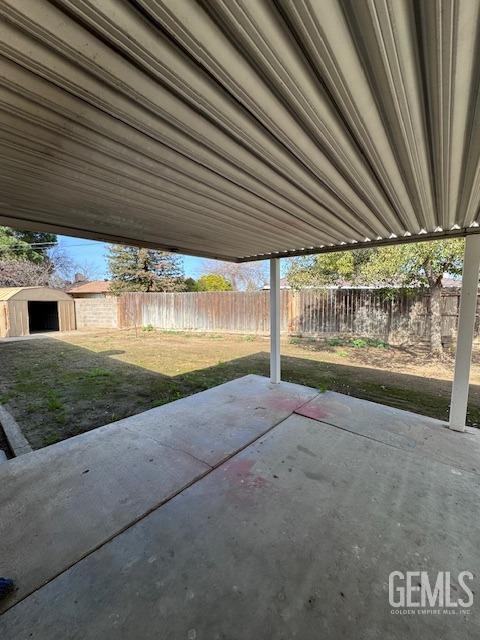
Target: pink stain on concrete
point(313, 410)
point(239, 473)
point(281, 404)
point(238, 467)
point(256, 482)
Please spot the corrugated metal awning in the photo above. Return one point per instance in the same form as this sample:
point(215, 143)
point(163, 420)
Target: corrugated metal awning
point(241, 130)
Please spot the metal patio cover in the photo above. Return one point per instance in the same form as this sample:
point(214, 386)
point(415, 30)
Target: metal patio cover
point(241, 129)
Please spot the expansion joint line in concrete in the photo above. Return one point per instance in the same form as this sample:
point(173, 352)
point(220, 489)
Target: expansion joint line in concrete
point(386, 444)
point(161, 503)
point(169, 446)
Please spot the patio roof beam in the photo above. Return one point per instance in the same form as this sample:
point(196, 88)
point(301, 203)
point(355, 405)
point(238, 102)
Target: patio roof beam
point(465, 332)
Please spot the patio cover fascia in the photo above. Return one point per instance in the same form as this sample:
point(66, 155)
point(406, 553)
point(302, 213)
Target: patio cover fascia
point(245, 130)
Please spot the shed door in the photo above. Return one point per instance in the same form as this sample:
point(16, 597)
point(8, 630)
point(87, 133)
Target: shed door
point(42, 316)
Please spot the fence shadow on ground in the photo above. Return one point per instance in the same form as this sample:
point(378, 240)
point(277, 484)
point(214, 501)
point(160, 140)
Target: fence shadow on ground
point(57, 390)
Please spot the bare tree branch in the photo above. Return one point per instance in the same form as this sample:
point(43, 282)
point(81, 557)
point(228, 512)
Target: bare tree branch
point(245, 276)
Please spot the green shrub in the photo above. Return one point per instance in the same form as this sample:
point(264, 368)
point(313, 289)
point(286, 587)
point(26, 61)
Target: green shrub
point(358, 343)
point(336, 342)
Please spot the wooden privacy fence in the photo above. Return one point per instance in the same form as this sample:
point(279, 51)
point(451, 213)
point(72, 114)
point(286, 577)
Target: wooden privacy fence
point(311, 312)
point(229, 311)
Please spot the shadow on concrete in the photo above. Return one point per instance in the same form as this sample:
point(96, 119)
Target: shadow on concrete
point(56, 390)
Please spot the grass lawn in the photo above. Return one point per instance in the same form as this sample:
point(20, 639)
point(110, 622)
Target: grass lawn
point(60, 386)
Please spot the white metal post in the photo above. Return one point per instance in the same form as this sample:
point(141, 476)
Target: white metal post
point(275, 320)
point(466, 326)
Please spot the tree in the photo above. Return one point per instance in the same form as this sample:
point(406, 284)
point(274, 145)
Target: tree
point(27, 258)
point(68, 271)
point(213, 282)
point(243, 276)
point(421, 264)
point(336, 268)
point(41, 242)
point(190, 284)
point(24, 273)
point(25, 245)
point(55, 270)
point(134, 269)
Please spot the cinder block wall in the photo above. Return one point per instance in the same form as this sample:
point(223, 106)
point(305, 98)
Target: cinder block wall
point(96, 312)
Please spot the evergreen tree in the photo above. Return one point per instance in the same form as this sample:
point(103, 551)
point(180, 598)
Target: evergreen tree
point(190, 284)
point(134, 269)
point(17, 245)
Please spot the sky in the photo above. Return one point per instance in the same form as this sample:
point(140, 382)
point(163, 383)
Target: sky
point(94, 255)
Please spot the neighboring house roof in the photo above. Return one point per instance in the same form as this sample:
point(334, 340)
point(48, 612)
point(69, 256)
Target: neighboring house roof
point(451, 282)
point(32, 293)
point(95, 286)
point(283, 284)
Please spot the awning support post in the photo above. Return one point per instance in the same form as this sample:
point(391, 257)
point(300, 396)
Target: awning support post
point(465, 332)
point(275, 320)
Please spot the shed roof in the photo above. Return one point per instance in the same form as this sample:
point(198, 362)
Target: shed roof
point(8, 292)
point(241, 130)
point(32, 293)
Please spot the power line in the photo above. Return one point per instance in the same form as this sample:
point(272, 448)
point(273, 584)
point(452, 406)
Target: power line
point(18, 245)
point(32, 244)
point(20, 249)
point(83, 244)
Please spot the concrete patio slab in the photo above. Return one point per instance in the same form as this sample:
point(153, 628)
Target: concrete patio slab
point(403, 429)
point(294, 537)
point(244, 409)
point(59, 503)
